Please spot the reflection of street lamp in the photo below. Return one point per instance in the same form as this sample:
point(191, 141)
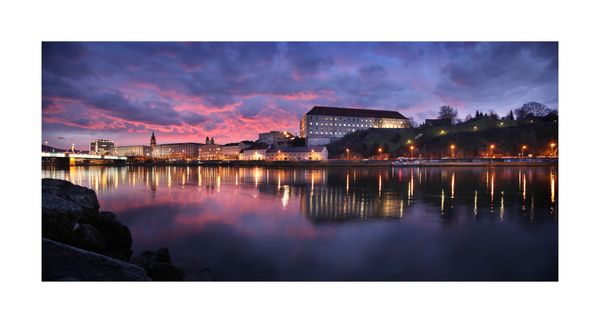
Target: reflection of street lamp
point(523, 150)
point(492, 150)
point(411, 151)
point(452, 150)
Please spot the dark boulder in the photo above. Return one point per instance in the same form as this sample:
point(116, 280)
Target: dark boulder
point(158, 265)
point(87, 237)
point(116, 235)
point(63, 203)
point(63, 262)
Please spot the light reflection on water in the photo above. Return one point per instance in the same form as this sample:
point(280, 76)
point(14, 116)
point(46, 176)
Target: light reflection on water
point(299, 217)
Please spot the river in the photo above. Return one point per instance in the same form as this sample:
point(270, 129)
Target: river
point(255, 223)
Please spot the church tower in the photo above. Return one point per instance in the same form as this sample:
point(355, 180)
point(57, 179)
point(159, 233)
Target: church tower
point(152, 140)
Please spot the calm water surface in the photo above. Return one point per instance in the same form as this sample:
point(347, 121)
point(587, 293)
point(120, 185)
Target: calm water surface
point(227, 223)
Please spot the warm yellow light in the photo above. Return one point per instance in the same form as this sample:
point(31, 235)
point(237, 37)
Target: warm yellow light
point(492, 146)
point(524, 147)
point(412, 147)
point(379, 149)
point(347, 150)
point(451, 146)
point(552, 145)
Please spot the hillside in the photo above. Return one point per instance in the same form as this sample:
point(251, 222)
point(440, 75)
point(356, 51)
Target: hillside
point(471, 139)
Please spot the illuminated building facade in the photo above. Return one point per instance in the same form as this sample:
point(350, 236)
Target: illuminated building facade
point(133, 151)
point(101, 147)
point(232, 151)
point(322, 125)
point(179, 151)
point(211, 152)
point(257, 151)
point(297, 153)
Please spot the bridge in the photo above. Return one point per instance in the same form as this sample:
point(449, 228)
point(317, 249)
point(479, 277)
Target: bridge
point(69, 158)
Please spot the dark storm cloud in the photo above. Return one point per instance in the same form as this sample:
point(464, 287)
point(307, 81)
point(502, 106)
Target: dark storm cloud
point(495, 72)
point(308, 58)
point(183, 85)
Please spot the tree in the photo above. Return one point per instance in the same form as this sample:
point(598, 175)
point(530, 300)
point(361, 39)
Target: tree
point(493, 115)
point(412, 122)
point(532, 109)
point(468, 117)
point(447, 112)
point(510, 116)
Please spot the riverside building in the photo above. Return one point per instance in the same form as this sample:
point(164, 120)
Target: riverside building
point(297, 153)
point(133, 151)
point(101, 147)
point(322, 125)
point(178, 151)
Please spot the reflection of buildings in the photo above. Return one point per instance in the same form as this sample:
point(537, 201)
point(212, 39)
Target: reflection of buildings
point(101, 147)
point(336, 194)
point(321, 125)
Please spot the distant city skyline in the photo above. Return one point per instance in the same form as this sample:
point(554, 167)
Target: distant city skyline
point(184, 92)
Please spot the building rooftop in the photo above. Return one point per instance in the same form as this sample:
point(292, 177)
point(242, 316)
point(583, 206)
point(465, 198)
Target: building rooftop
point(256, 146)
point(352, 112)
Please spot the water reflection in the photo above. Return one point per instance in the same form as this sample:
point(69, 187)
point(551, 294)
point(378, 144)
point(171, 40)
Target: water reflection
point(310, 216)
point(325, 195)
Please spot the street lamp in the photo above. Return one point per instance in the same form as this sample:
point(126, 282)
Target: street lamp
point(452, 150)
point(411, 151)
point(523, 150)
point(492, 150)
point(380, 150)
point(552, 145)
point(348, 153)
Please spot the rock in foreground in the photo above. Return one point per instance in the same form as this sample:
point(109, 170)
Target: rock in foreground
point(63, 262)
point(116, 235)
point(158, 265)
point(63, 203)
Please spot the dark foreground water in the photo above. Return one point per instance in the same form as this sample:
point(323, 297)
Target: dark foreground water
point(226, 223)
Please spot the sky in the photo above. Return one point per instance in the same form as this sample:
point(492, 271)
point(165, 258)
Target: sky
point(124, 91)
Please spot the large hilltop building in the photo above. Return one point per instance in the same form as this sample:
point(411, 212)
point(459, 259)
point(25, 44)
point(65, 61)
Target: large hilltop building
point(322, 125)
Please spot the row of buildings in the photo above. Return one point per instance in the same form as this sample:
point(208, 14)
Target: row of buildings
point(319, 127)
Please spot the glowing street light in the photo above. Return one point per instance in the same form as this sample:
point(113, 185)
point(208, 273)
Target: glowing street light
point(552, 151)
point(452, 150)
point(380, 151)
point(411, 151)
point(492, 150)
point(523, 150)
point(348, 153)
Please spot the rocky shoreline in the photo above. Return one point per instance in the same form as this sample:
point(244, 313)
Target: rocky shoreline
point(79, 242)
